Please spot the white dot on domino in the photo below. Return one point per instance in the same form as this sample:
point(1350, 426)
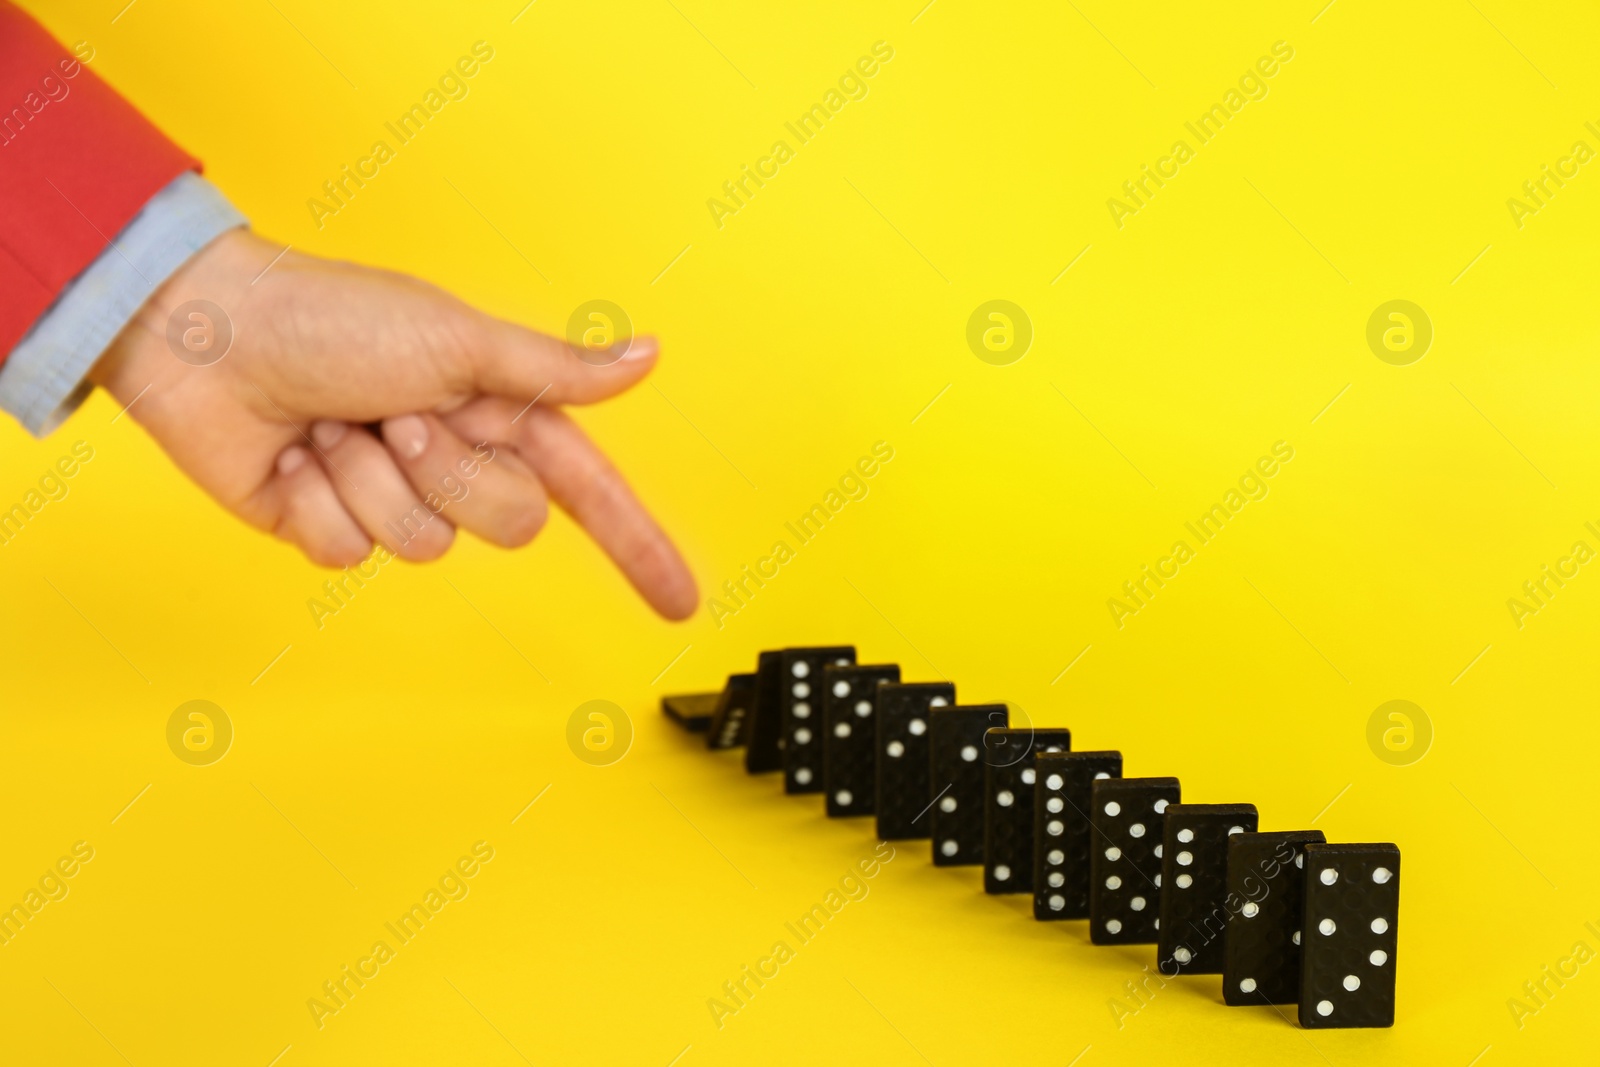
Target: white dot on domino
point(950, 848)
point(844, 798)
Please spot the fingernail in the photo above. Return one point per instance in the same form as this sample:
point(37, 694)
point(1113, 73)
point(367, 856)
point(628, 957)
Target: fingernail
point(640, 348)
point(327, 432)
point(406, 434)
point(291, 460)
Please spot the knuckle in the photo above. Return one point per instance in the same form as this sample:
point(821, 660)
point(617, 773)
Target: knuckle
point(432, 542)
point(335, 554)
point(523, 523)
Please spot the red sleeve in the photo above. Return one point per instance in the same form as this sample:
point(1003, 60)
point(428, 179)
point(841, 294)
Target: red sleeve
point(77, 162)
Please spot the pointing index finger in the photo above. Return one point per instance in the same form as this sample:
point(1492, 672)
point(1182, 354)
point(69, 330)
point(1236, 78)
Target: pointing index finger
point(584, 483)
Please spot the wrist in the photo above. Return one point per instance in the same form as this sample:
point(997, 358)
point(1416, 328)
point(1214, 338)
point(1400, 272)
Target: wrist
point(141, 354)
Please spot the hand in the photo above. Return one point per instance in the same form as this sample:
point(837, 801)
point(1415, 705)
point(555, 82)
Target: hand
point(274, 429)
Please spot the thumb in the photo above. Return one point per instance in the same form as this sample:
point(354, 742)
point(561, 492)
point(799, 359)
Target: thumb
point(514, 361)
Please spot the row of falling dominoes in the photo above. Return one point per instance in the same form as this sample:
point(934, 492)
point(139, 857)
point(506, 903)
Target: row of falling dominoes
point(1284, 917)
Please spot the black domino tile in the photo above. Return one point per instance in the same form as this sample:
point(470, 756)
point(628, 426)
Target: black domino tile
point(762, 753)
point(1266, 873)
point(1061, 832)
point(850, 735)
point(1126, 820)
point(1009, 778)
point(800, 706)
point(692, 711)
point(733, 714)
point(1196, 914)
point(957, 764)
point(1349, 929)
point(902, 792)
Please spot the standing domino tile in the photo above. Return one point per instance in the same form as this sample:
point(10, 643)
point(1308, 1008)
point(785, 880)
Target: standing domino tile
point(1266, 875)
point(1061, 832)
point(1352, 910)
point(1125, 858)
point(734, 711)
point(800, 713)
point(957, 780)
point(903, 795)
point(850, 736)
point(1195, 911)
point(762, 752)
point(1009, 778)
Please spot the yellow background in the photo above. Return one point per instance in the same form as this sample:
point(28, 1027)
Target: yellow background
point(1223, 317)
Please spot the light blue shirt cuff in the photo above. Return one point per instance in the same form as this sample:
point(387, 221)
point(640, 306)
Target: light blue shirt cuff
point(43, 380)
